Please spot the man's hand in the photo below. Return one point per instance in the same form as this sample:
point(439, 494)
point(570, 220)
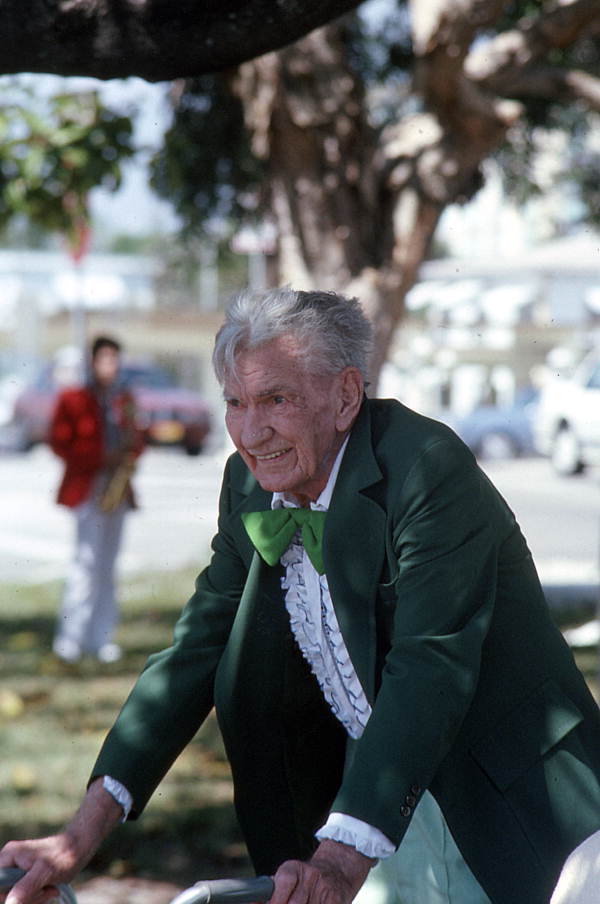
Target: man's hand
point(51, 861)
point(333, 875)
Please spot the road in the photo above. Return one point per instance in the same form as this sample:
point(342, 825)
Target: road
point(560, 517)
point(178, 496)
point(173, 526)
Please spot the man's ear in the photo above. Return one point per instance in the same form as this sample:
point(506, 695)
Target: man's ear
point(352, 390)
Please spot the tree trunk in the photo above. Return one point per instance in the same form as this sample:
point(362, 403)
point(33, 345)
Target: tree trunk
point(355, 208)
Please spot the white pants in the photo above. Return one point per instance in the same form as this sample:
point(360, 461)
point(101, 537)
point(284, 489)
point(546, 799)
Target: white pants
point(579, 881)
point(427, 868)
point(89, 612)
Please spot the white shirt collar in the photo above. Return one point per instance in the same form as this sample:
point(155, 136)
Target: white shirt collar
point(323, 502)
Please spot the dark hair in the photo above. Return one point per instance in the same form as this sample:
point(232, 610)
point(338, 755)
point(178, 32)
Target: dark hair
point(101, 342)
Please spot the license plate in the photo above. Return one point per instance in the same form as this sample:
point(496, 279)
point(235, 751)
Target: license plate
point(167, 431)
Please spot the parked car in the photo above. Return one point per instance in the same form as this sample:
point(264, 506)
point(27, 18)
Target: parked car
point(498, 431)
point(168, 414)
point(567, 423)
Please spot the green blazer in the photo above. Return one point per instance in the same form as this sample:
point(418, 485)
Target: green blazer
point(475, 694)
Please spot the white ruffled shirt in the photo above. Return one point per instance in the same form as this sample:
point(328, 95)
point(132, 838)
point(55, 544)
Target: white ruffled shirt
point(315, 627)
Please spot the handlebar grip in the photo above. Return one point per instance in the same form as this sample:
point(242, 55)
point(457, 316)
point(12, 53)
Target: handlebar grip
point(11, 874)
point(228, 891)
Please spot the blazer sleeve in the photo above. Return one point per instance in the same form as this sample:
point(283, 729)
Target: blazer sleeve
point(174, 693)
point(447, 521)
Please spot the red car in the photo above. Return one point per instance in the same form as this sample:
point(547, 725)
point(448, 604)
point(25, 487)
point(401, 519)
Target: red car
point(168, 414)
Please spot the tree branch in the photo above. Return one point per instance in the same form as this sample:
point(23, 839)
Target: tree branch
point(495, 65)
point(443, 32)
point(155, 39)
point(441, 24)
point(555, 83)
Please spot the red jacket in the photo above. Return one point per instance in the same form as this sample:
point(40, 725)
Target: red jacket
point(76, 436)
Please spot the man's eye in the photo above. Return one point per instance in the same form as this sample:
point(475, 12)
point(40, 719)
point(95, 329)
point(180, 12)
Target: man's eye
point(278, 399)
point(232, 403)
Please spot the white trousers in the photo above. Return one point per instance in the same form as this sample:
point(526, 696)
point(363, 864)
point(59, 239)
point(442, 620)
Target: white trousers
point(579, 881)
point(427, 868)
point(89, 613)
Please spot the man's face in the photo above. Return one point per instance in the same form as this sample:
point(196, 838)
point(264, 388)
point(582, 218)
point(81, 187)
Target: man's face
point(105, 365)
point(288, 424)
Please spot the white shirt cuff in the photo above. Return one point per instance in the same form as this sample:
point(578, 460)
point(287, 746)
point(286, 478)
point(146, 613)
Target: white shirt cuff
point(120, 793)
point(358, 834)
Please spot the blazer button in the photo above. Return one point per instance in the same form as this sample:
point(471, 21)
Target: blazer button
point(410, 800)
point(406, 811)
point(415, 790)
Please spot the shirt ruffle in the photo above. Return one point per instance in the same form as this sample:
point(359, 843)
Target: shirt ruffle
point(317, 633)
point(120, 793)
point(364, 838)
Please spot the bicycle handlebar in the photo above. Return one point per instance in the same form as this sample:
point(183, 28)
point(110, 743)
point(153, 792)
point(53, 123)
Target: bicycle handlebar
point(10, 875)
point(227, 891)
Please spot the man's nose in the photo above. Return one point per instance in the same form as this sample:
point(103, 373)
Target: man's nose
point(255, 430)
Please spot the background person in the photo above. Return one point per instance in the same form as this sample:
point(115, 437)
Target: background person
point(93, 431)
point(399, 685)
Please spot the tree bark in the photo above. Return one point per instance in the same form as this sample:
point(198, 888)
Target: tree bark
point(156, 39)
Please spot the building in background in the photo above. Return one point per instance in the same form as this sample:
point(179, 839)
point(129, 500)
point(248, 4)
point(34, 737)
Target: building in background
point(481, 330)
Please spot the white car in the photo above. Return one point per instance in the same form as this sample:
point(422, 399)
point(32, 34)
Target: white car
point(567, 422)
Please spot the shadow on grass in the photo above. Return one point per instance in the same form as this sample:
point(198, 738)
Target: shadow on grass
point(53, 719)
point(190, 845)
point(196, 843)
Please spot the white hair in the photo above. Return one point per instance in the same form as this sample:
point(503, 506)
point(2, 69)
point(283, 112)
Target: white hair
point(332, 330)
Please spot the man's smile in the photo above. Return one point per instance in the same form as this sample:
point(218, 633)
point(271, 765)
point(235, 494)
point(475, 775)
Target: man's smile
point(270, 456)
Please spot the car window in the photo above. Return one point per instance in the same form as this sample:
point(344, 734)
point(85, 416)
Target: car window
point(153, 378)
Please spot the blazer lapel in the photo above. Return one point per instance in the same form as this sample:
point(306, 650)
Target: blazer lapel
point(246, 496)
point(354, 549)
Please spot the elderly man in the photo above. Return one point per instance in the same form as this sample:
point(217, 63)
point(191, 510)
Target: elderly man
point(373, 635)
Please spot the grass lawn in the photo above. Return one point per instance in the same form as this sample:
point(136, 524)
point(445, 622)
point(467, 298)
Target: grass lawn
point(53, 719)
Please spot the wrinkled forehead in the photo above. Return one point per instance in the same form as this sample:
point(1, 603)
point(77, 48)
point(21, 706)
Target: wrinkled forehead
point(275, 369)
point(284, 356)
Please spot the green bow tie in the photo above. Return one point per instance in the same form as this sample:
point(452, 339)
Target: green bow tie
point(272, 532)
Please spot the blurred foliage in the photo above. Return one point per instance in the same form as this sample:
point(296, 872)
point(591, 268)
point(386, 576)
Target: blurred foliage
point(547, 116)
point(206, 167)
point(128, 243)
point(179, 285)
point(19, 232)
point(381, 48)
point(574, 166)
point(51, 160)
